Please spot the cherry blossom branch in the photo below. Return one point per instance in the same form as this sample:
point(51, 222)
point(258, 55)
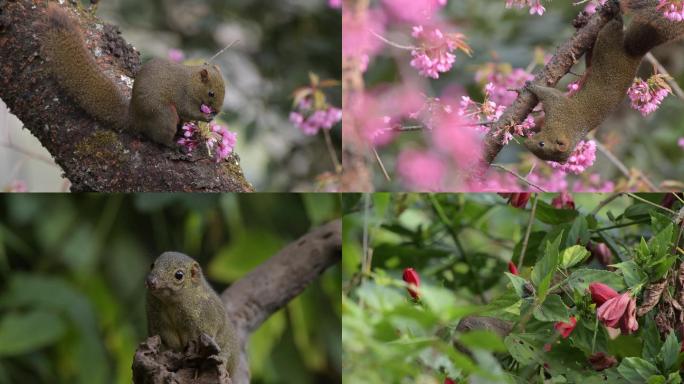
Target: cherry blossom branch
point(522, 178)
point(670, 80)
point(559, 65)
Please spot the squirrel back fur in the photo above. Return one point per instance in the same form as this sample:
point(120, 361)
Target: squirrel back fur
point(77, 72)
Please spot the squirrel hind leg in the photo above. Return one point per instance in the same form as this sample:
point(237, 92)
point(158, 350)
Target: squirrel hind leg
point(160, 127)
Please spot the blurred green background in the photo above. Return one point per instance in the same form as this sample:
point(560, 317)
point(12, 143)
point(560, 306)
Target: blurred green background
point(279, 43)
point(72, 272)
point(501, 35)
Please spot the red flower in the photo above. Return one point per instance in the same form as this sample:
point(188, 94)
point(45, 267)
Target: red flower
point(565, 329)
point(512, 268)
point(563, 201)
point(449, 381)
point(600, 293)
point(600, 361)
point(518, 200)
point(619, 312)
point(411, 276)
point(601, 252)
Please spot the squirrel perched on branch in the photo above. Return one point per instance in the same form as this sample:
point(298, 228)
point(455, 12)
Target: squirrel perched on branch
point(613, 63)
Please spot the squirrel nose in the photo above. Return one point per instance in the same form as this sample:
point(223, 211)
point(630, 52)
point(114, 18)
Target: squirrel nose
point(151, 282)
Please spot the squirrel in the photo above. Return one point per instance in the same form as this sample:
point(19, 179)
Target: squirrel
point(181, 306)
point(165, 93)
point(615, 58)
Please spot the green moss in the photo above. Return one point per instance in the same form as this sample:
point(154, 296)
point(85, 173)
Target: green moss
point(103, 146)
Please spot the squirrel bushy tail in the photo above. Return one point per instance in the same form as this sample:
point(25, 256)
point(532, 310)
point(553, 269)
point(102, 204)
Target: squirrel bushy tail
point(77, 72)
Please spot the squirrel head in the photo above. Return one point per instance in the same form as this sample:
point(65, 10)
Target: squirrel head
point(173, 274)
point(207, 88)
point(551, 145)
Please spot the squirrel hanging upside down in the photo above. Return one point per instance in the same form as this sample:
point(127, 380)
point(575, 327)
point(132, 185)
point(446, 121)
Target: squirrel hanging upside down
point(615, 59)
point(165, 93)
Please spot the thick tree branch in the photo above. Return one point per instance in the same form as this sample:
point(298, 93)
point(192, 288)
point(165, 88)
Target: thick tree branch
point(249, 302)
point(93, 157)
point(559, 65)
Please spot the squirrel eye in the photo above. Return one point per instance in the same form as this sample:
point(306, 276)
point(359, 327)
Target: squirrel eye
point(211, 93)
point(541, 144)
point(179, 275)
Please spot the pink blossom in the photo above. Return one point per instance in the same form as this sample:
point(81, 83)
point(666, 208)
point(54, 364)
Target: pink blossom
point(581, 158)
point(619, 312)
point(563, 201)
point(565, 329)
point(310, 120)
point(413, 11)
point(591, 7)
point(680, 142)
point(223, 139)
point(434, 53)
point(646, 96)
point(504, 80)
point(421, 170)
point(335, 3)
point(189, 139)
point(672, 9)
point(205, 109)
point(535, 5)
point(175, 55)
point(358, 40)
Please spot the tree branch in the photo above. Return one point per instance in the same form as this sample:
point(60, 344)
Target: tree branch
point(93, 157)
point(559, 65)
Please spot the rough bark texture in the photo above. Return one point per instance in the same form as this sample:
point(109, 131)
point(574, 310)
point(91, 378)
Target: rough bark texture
point(93, 157)
point(562, 61)
point(249, 302)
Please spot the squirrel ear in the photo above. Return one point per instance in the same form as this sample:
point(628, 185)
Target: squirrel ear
point(204, 75)
point(195, 270)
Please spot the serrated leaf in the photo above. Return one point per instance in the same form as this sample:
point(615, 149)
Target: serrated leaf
point(518, 284)
point(579, 232)
point(545, 268)
point(630, 272)
point(660, 244)
point(651, 339)
point(522, 350)
point(552, 309)
point(573, 256)
point(580, 279)
point(636, 370)
point(669, 352)
point(550, 215)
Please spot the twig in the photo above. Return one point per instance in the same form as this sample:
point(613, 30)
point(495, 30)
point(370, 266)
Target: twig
point(670, 80)
point(395, 45)
point(526, 239)
point(635, 197)
point(609, 155)
point(382, 166)
point(331, 151)
point(499, 166)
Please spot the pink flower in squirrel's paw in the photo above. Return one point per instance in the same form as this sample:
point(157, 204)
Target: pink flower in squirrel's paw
point(205, 109)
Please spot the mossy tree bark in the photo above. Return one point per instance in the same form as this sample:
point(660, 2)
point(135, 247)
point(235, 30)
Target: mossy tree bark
point(93, 157)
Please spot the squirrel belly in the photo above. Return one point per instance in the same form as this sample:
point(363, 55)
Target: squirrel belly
point(615, 59)
point(164, 95)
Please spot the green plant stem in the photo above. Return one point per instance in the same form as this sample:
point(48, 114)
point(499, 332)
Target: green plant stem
point(331, 151)
point(437, 207)
point(526, 239)
point(637, 222)
point(635, 197)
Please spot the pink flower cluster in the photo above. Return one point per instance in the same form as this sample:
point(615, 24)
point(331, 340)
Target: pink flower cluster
point(310, 120)
point(646, 96)
point(680, 142)
point(582, 158)
point(504, 80)
point(672, 9)
point(413, 11)
point(535, 5)
point(422, 170)
point(335, 3)
point(435, 51)
point(216, 137)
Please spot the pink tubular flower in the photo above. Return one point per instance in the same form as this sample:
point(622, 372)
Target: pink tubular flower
point(619, 312)
point(518, 200)
point(581, 158)
point(646, 96)
point(411, 277)
point(435, 51)
point(448, 380)
point(512, 268)
point(563, 201)
point(565, 329)
point(223, 139)
point(672, 9)
point(601, 252)
point(600, 293)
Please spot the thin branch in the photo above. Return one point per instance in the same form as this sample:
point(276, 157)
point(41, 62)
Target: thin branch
point(526, 239)
point(670, 80)
point(641, 199)
point(382, 166)
point(331, 151)
point(622, 167)
point(393, 44)
point(522, 178)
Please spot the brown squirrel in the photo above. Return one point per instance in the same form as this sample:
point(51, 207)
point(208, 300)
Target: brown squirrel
point(615, 59)
point(164, 93)
point(181, 306)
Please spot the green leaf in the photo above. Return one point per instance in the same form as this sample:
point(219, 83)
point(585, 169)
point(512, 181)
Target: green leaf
point(522, 349)
point(26, 332)
point(660, 244)
point(518, 284)
point(638, 211)
point(674, 378)
point(552, 309)
point(573, 256)
point(669, 352)
point(651, 339)
point(545, 268)
point(630, 272)
point(658, 379)
point(533, 244)
point(580, 279)
point(482, 339)
point(230, 262)
point(636, 370)
point(550, 215)
point(579, 232)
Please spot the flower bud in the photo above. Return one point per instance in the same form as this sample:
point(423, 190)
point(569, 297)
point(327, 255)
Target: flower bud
point(601, 252)
point(563, 201)
point(411, 277)
point(565, 329)
point(518, 200)
point(449, 381)
point(600, 293)
point(600, 361)
point(512, 268)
